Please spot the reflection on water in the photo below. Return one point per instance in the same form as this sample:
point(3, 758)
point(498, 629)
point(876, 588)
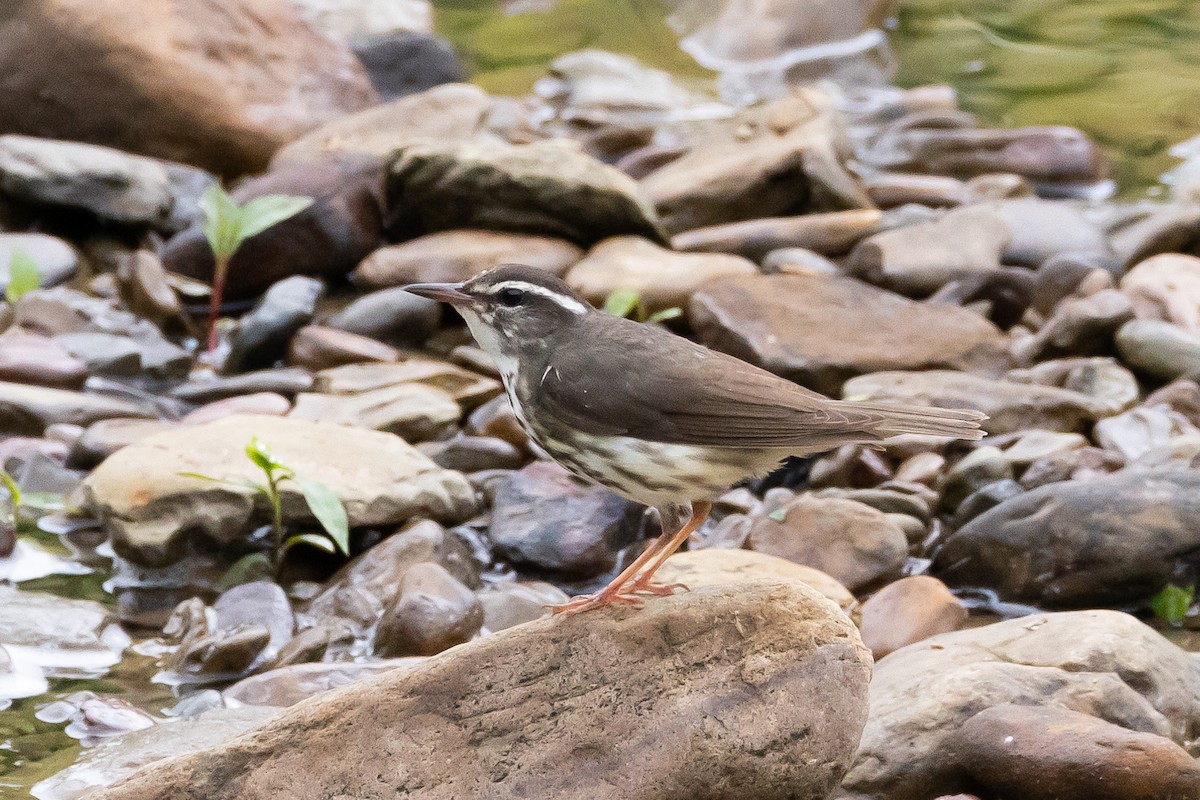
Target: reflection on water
point(1125, 71)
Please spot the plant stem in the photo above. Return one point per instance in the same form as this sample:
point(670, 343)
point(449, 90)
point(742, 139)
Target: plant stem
point(220, 269)
point(276, 521)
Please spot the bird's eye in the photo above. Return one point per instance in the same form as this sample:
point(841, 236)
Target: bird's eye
point(511, 297)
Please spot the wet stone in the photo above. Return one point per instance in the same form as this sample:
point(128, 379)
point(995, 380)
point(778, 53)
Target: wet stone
point(432, 611)
point(262, 335)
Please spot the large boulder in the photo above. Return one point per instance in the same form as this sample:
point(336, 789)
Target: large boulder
point(819, 330)
point(220, 84)
point(762, 694)
point(1110, 540)
point(1102, 663)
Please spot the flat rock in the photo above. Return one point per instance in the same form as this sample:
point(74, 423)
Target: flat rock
point(662, 278)
point(820, 330)
point(1053, 753)
point(1103, 663)
point(1166, 287)
point(511, 712)
point(289, 685)
point(1010, 406)
point(412, 411)
point(832, 233)
point(220, 84)
point(29, 410)
point(393, 315)
point(1110, 540)
point(551, 188)
point(286, 381)
point(458, 255)
point(30, 358)
point(64, 637)
point(263, 335)
point(907, 611)
point(316, 347)
point(153, 512)
point(1159, 349)
point(466, 387)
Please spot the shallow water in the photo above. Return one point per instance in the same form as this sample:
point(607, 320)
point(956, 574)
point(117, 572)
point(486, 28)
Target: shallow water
point(1125, 71)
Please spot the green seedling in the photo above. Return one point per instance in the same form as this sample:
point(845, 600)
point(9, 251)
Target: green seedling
point(325, 505)
point(1172, 603)
point(227, 225)
point(23, 275)
point(628, 303)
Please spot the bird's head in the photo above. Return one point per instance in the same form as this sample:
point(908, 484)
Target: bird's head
point(511, 308)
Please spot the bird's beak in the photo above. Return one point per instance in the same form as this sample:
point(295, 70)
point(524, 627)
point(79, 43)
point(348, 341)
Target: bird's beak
point(447, 292)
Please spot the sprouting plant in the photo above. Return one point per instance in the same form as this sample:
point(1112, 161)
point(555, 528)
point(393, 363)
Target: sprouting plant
point(628, 303)
point(227, 225)
point(8, 517)
point(325, 505)
point(1172, 603)
point(22, 275)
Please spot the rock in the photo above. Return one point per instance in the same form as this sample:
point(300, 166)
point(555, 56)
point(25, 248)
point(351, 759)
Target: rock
point(1010, 406)
point(459, 255)
point(1159, 349)
point(389, 315)
point(1042, 229)
point(60, 635)
point(920, 259)
point(907, 611)
point(101, 439)
point(595, 86)
point(401, 64)
point(981, 466)
point(854, 543)
point(720, 567)
point(362, 589)
point(30, 358)
point(496, 418)
point(20, 677)
point(220, 96)
point(796, 644)
point(1104, 663)
point(508, 604)
point(550, 189)
point(777, 160)
point(662, 278)
point(325, 240)
point(347, 20)
point(56, 261)
point(791, 260)
point(465, 386)
point(287, 381)
point(1071, 544)
point(104, 353)
point(1164, 229)
point(1056, 753)
point(263, 403)
point(832, 233)
point(820, 330)
point(544, 518)
point(263, 335)
point(1142, 430)
point(114, 186)
point(1166, 287)
point(983, 499)
point(258, 603)
point(412, 411)
point(146, 291)
point(1042, 154)
point(1082, 326)
point(474, 454)
point(1112, 387)
point(452, 113)
point(29, 410)
point(432, 612)
point(289, 685)
point(316, 347)
point(110, 761)
point(153, 512)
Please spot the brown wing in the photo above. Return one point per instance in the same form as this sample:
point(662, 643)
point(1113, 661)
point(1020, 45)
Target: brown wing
point(699, 396)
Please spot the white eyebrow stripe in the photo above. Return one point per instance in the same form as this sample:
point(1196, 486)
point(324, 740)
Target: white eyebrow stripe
point(569, 303)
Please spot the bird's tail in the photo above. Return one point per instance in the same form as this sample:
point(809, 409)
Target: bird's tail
point(885, 420)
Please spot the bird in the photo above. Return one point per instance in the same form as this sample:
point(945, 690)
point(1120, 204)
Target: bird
point(651, 415)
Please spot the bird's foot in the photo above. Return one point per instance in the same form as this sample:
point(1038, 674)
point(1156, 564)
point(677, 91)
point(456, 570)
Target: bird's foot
point(642, 585)
point(617, 596)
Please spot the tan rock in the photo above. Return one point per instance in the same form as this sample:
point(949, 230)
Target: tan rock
point(509, 714)
point(412, 411)
point(907, 611)
point(220, 84)
point(432, 612)
point(832, 234)
point(461, 254)
point(316, 347)
point(1166, 287)
point(466, 387)
point(662, 278)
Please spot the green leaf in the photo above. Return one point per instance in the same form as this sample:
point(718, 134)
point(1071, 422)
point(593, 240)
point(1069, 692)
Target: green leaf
point(667, 313)
point(263, 212)
point(22, 275)
point(261, 455)
point(622, 302)
point(327, 507)
point(779, 515)
point(43, 501)
point(1172, 603)
point(247, 569)
point(314, 539)
point(14, 491)
point(222, 221)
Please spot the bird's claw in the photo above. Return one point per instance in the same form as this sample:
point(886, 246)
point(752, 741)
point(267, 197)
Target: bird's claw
point(630, 594)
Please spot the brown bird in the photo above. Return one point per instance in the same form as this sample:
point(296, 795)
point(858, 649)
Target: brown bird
point(651, 415)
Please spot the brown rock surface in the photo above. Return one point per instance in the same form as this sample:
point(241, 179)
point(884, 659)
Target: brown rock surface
point(907, 611)
point(515, 714)
point(216, 83)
